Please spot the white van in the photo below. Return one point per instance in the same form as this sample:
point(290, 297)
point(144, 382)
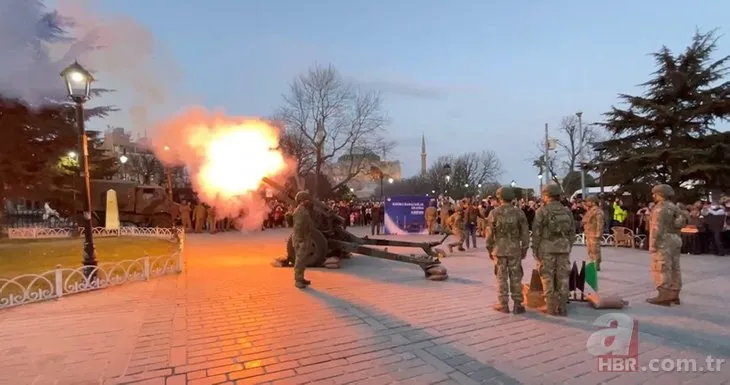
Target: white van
point(597, 190)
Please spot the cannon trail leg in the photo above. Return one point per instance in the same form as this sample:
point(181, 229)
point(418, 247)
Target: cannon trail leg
point(431, 266)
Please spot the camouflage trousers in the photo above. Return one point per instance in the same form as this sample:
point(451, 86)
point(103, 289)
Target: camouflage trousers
point(665, 268)
point(431, 224)
point(187, 223)
point(554, 272)
point(593, 247)
point(461, 236)
point(302, 249)
point(509, 279)
point(481, 226)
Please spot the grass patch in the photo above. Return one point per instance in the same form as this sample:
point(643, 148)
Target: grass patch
point(35, 256)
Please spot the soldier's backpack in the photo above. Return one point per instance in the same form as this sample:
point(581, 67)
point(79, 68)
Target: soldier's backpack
point(560, 222)
point(507, 223)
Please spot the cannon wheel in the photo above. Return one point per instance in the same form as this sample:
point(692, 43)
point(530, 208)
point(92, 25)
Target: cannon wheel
point(318, 251)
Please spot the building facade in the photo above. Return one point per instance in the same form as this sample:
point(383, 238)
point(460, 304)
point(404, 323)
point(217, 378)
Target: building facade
point(363, 184)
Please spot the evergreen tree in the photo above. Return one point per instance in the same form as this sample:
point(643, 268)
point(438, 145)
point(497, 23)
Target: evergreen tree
point(669, 134)
point(34, 162)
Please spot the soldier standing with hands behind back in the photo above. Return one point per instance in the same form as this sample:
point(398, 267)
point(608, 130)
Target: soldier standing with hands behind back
point(553, 234)
point(302, 237)
point(508, 238)
point(665, 246)
point(593, 230)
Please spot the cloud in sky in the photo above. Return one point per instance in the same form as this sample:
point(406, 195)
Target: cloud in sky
point(403, 86)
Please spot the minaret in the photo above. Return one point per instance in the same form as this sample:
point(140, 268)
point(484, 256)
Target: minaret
point(423, 155)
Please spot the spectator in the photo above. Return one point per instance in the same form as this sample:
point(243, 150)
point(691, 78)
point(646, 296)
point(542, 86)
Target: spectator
point(715, 220)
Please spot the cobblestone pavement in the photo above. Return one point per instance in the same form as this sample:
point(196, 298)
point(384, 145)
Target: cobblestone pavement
point(231, 318)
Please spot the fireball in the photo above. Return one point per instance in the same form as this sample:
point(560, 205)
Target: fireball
point(226, 157)
point(236, 157)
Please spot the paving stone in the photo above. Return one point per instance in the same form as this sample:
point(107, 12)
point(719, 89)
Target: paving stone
point(233, 319)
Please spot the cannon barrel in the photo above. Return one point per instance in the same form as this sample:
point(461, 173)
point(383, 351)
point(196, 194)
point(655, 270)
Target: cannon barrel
point(319, 205)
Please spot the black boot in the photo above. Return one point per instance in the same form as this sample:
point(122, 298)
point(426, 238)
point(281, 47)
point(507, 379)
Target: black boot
point(518, 308)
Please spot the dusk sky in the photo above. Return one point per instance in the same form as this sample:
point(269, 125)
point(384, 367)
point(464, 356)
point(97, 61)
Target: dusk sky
point(470, 75)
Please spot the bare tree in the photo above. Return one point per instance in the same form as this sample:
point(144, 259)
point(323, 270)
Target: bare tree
point(466, 172)
point(294, 143)
point(144, 167)
point(329, 118)
point(571, 139)
point(553, 160)
point(574, 141)
point(383, 146)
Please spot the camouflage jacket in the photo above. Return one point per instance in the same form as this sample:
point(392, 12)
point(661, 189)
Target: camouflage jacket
point(444, 212)
point(593, 222)
point(553, 229)
point(456, 223)
point(430, 213)
point(665, 222)
point(507, 233)
point(303, 224)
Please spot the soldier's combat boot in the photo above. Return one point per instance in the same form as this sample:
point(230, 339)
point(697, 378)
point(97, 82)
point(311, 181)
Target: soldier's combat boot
point(300, 284)
point(675, 297)
point(549, 308)
point(663, 298)
point(306, 282)
point(563, 310)
point(598, 266)
point(518, 308)
point(461, 248)
point(501, 307)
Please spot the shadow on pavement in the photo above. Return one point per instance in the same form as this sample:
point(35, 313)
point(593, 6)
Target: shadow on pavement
point(445, 360)
point(582, 316)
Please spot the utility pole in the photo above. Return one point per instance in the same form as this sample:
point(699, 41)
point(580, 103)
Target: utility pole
point(546, 174)
point(581, 159)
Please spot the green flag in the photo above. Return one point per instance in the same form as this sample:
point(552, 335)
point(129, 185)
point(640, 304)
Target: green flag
point(592, 276)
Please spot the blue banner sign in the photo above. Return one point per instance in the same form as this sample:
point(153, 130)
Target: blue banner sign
point(404, 215)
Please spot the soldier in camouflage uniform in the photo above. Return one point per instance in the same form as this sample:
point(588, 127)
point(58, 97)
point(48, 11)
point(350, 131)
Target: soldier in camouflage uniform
point(456, 225)
point(553, 234)
point(508, 238)
point(212, 220)
point(665, 244)
point(302, 237)
point(593, 229)
point(185, 215)
point(430, 214)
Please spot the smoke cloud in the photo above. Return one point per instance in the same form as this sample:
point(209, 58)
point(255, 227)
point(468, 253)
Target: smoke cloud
point(226, 158)
point(37, 43)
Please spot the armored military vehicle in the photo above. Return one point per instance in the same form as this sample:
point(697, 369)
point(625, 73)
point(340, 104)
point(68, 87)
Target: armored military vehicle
point(139, 205)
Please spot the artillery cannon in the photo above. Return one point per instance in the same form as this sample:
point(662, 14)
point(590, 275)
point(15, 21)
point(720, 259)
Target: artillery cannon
point(331, 242)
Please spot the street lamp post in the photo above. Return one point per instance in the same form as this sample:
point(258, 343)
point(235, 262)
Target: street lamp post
point(599, 148)
point(78, 84)
point(123, 159)
point(581, 151)
point(74, 157)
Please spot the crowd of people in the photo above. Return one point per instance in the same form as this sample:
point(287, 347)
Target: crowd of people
point(201, 217)
point(707, 232)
